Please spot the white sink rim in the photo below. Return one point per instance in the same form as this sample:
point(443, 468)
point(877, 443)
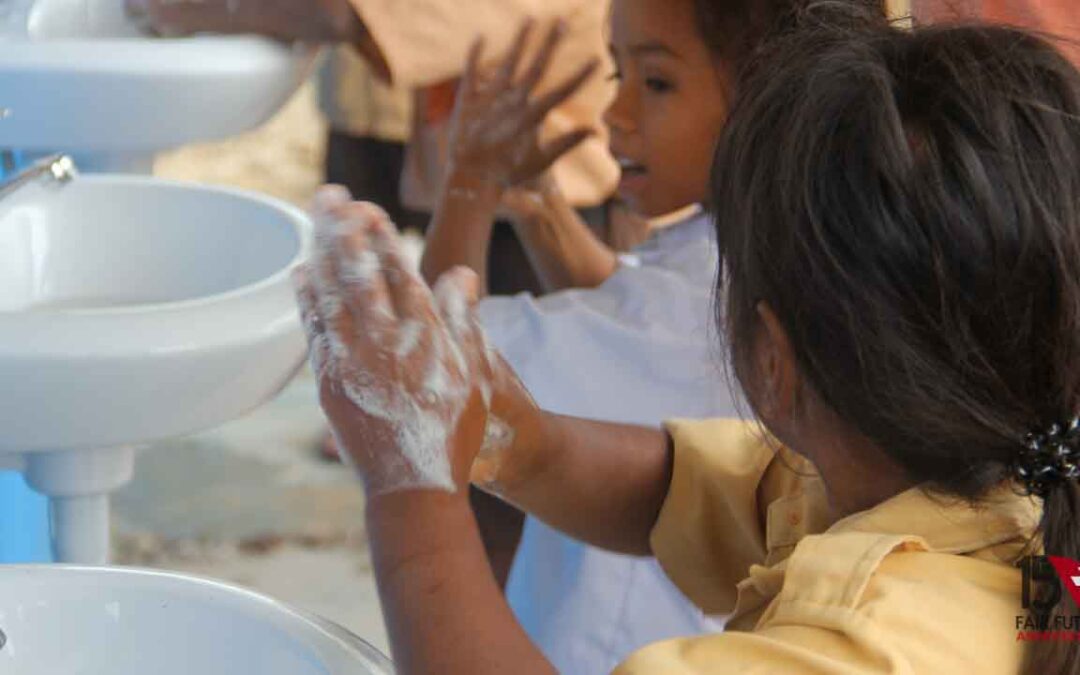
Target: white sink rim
point(301, 223)
point(301, 623)
point(218, 54)
point(106, 377)
point(139, 96)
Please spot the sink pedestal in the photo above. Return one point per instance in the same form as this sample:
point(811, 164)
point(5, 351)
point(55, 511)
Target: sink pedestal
point(78, 484)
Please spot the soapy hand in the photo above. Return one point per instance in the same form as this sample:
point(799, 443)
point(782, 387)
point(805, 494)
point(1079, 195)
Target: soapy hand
point(406, 376)
point(315, 21)
point(495, 133)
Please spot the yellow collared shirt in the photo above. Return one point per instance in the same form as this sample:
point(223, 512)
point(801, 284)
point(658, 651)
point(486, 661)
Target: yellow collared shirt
point(919, 584)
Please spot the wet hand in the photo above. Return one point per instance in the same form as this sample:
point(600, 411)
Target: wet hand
point(404, 374)
point(495, 134)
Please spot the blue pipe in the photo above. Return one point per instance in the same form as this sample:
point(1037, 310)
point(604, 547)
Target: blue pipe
point(24, 522)
point(24, 514)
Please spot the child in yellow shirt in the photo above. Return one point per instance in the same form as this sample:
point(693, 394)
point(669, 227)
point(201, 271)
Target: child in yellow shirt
point(899, 230)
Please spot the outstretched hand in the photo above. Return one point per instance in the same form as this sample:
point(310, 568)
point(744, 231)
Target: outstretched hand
point(495, 134)
point(315, 21)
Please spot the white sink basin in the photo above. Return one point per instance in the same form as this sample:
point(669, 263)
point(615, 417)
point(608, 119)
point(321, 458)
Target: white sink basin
point(102, 621)
point(137, 96)
point(131, 310)
point(134, 309)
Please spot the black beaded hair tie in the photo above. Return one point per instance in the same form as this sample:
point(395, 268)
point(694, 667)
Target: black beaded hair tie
point(1049, 458)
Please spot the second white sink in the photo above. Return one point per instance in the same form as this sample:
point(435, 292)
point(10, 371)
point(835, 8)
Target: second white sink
point(134, 309)
point(137, 96)
point(100, 621)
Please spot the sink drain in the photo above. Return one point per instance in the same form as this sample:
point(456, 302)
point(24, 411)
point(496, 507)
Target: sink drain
point(3, 639)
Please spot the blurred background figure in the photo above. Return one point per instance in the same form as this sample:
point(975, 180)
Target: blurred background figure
point(370, 122)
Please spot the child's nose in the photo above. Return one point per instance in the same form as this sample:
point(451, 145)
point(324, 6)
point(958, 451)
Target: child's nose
point(621, 115)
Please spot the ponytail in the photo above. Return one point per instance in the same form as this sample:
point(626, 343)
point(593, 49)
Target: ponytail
point(1061, 537)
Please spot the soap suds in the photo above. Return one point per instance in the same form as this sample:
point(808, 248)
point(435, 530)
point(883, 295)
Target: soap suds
point(410, 333)
point(417, 400)
point(498, 437)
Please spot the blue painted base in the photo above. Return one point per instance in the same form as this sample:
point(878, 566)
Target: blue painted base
point(24, 522)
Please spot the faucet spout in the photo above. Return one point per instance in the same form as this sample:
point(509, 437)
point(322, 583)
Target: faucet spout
point(56, 168)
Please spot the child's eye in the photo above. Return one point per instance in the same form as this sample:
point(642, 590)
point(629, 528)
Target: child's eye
point(657, 85)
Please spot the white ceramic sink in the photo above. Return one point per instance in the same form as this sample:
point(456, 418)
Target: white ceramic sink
point(110, 621)
point(101, 91)
point(131, 310)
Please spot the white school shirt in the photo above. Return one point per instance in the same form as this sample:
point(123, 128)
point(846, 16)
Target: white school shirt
point(639, 349)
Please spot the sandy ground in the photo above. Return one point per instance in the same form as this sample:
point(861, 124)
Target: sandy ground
point(282, 158)
point(250, 502)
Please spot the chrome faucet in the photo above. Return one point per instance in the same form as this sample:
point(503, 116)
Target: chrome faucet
point(58, 168)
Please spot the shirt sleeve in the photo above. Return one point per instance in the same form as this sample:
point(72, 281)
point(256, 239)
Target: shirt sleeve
point(711, 528)
point(737, 499)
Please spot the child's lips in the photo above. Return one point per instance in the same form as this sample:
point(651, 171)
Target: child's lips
point(634, 177)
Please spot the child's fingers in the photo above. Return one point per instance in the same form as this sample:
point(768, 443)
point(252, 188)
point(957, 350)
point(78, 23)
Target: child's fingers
point(540, 108)
point(409, 295)
point(314, 329)
point(542, 61)
point(324, 278)
point(329, 198)
point(559, 147)
point(470, 81)
point(359, 272)
point(456, 292)
point(512, 61)
point(306, 301)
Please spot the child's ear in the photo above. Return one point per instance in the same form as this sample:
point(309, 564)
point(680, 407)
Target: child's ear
point(778, 373)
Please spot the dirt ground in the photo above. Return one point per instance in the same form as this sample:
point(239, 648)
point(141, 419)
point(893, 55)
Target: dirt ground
point(282, 158)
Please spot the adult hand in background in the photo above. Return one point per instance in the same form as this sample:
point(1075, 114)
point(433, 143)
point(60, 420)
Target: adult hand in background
point(495, 132)
point(314, 21)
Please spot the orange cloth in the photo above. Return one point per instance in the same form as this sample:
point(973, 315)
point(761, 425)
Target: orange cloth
point(1060, 18)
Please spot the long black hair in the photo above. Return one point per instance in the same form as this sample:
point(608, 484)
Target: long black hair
point(735, 29)
point(908, 205)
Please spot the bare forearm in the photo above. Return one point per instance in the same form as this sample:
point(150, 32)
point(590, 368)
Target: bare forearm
point(443, 611)
point(598, 482)
point(501, 526)
point(562, 249)
point(460, 232)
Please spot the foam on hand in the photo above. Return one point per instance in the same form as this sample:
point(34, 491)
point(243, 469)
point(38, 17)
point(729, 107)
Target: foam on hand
point(414, 388)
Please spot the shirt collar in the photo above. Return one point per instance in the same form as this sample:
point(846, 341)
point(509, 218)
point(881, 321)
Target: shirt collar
point(950, 524)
